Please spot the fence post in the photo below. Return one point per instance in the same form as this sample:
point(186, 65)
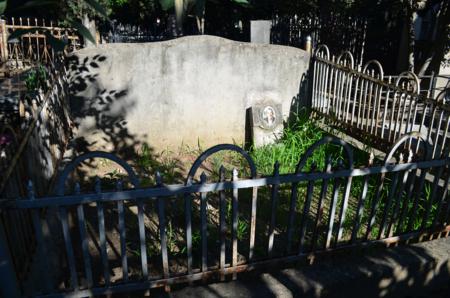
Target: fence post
point(8, 282)
point(308, 44)
point(3, 41)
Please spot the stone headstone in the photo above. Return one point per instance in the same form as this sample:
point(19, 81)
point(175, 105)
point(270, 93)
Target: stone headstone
point(260, 31)
point(266, 123)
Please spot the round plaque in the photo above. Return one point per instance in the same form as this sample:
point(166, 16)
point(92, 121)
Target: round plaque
point(268, 117)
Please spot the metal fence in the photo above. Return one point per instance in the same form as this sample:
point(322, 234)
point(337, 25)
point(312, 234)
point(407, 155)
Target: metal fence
point(111, 241)
point(31, 148)
point(374, 108)
point(33, 46)
point(341, 32)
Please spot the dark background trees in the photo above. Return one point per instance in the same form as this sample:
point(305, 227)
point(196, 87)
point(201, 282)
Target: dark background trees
point(391, 32)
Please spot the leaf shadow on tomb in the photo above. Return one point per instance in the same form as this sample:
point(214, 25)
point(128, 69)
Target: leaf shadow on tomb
point(100, 117)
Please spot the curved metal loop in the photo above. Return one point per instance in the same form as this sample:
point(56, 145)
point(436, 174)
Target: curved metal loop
point(378, 64)
point(323, 141)
point(409, 136)
point(320, 48)
point(59, 189)
point(441, 96)
point(215, 149)
point(350, 55)
point(411, 76)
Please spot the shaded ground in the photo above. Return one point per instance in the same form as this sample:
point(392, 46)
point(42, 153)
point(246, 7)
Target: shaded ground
point(418, 270)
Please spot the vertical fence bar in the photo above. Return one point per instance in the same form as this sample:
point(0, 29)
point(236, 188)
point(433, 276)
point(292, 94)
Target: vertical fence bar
point(204, 224)
point(369, 104)
point(442, 199)
point(386, 104)
point(355, 95)
point(314, 83)
point(325, 91)
point(322, 197)
point(374, 207)
point(361, 202)
point(409, 192)
point(397, 202)
point(321, 86)
point(413, 215)
point(188, 220)
point(394, 101)
point(222, 224)
point(69, 248)
point(436, 139)
point(102, 234)
point(444, 138)
point(41, 244)
point(329, 89)
point(84, 241)
point(235, 218)
point(437, 176)
point(274, 204)
point(8, 282)
point(37, 41)
point(291, 217)
point(122, 232)
point(336, 186)
point(162, 228)
point(253, 223)
point(348, 96)
point(143, 249)
point(392, 190)
point(343, 210)
point(362, 104)
point(424, 114)
point(306, 207)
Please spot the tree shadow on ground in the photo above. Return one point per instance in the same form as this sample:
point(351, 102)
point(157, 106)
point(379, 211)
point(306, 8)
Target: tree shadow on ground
point(420, 270)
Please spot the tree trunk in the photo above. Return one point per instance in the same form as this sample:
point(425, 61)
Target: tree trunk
point(90, 25)
point(411, 16)
point(440, 45)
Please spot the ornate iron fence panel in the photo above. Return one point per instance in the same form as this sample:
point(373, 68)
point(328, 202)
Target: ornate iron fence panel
point(374, 108)
point(135, 238)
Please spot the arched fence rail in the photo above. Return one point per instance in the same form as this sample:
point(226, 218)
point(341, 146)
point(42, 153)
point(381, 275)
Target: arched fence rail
point(120, 240)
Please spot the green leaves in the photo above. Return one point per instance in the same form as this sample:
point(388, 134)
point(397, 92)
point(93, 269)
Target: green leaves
point(2, 6)
point(167, 4)
point(19, 32)
point(82, 30)
point(97, 7)
point(57, 44)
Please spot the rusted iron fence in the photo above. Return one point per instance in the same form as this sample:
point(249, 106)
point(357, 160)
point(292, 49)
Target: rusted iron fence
point(31, 148)
point(33, 46)
point(374, 108)
point(112, 241)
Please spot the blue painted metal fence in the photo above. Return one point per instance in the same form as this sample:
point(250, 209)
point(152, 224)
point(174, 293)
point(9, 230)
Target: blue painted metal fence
point(123, 240)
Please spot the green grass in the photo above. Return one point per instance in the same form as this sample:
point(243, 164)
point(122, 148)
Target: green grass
point(297, 138)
